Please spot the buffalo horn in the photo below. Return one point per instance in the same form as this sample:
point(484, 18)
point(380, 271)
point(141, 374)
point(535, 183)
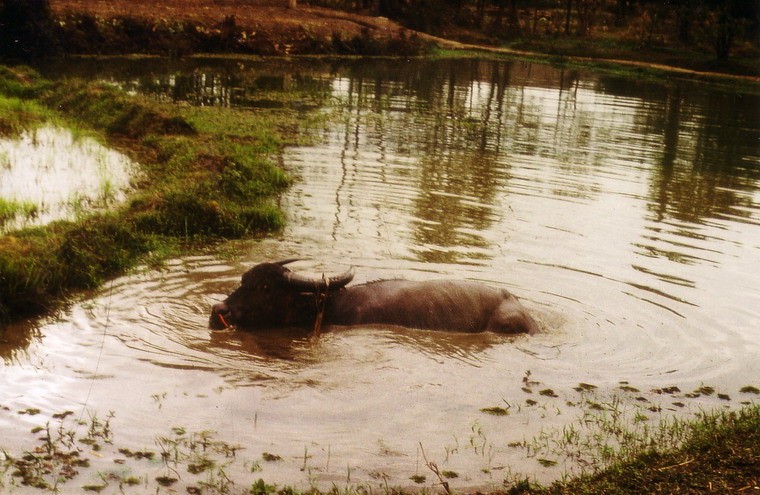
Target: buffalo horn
point(308, 284)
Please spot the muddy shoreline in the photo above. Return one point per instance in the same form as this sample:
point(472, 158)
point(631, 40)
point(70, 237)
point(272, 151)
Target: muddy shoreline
point(268, 28)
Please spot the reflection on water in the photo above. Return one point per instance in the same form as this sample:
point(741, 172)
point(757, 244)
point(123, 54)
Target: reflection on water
point(49, 174)
point(624, 213)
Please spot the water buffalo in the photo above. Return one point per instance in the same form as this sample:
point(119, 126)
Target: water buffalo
point(271, 295)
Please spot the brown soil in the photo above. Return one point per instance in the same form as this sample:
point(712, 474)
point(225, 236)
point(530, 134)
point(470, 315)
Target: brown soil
point(274, 18)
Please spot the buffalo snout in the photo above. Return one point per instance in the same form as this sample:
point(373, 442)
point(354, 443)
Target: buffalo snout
point(220, 316)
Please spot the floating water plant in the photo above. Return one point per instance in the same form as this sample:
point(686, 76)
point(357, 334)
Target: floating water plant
point(495, 411)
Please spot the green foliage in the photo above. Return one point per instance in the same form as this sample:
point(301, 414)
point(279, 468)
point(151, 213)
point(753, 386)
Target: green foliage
point(222, 191)
point(21, 82)
point(97, 248)
point(749, 389)
point(38, 266)
point(495, 411)
point(107, 108)
point(10, 210)
point(260, 487)
point(719, 454)
point(17, 111)
point(29, 273)
point(248, 177)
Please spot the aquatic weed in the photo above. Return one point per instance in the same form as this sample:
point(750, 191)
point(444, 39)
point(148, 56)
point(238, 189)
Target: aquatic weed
point(260, 487)
point(495, 411)
point(56, 459)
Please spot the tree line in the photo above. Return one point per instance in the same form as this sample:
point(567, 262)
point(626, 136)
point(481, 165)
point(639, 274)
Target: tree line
point(719, 25)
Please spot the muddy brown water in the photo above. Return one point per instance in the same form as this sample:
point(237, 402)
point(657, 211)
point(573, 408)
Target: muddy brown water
point(624, 213)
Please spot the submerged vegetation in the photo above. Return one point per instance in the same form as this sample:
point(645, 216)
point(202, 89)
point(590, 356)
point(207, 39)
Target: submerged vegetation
point(716, 452)
point(200, 180)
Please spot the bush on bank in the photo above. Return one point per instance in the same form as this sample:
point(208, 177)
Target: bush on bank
point(194, 188)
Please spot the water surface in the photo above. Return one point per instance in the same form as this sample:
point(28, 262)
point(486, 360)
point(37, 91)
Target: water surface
point(51, 174)
point(624, 213)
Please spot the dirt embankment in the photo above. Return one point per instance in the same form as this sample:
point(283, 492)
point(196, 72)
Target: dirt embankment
point(269, 27)
point(273, 17)
point(254, 26)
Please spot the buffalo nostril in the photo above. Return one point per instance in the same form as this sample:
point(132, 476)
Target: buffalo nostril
point(220, 313)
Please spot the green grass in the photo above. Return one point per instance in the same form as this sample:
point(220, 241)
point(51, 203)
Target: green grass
point(720, 453)
point(206, 175)
point(10, 210)
point(20, 109)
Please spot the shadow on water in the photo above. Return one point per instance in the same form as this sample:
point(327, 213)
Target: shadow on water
point(300, 345)
point(475, 111)
point(15, 339)
point(289, 344)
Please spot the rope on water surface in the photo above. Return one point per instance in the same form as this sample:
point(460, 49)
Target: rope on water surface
point(100, 352)
point(94, 375)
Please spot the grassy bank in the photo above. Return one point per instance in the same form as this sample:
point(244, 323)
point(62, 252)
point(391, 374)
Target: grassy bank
point(202, 179)
point(720, 454)
point(617, 47)
point(593, 57)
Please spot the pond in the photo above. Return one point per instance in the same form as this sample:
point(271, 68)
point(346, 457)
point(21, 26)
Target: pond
point(624, 213)
point(50, 173)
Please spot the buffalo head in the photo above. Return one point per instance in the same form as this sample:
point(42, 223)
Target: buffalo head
point(271, 295)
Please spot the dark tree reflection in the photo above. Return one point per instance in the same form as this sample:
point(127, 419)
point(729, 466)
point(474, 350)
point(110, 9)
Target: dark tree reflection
point(458, 127)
